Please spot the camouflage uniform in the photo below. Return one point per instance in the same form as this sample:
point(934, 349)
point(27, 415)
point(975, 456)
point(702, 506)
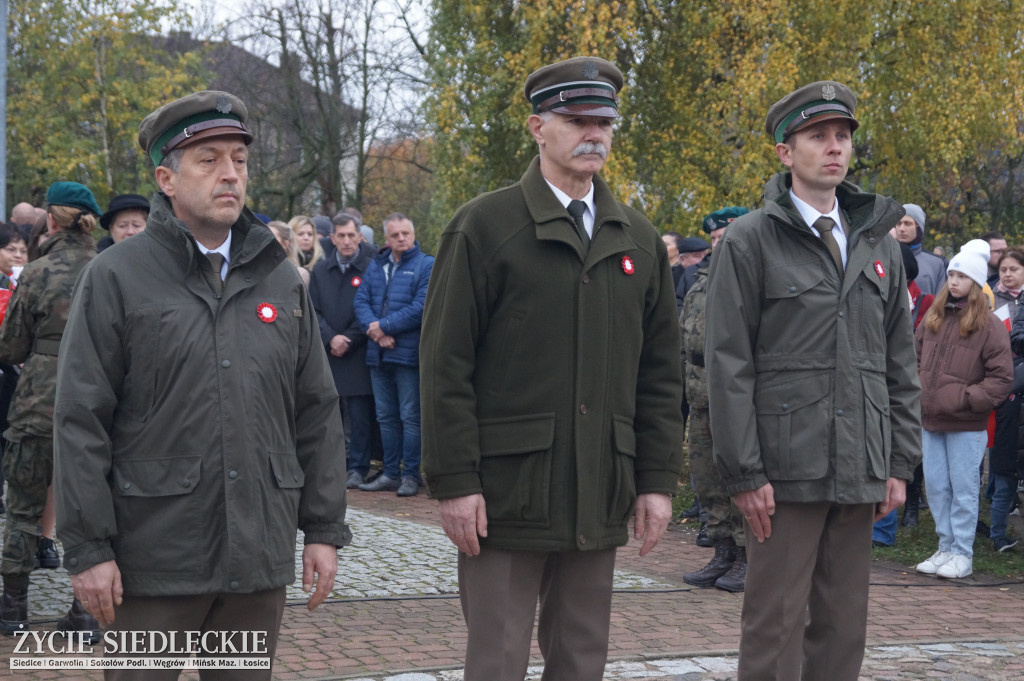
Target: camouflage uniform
point(724, 519)
point(31, 333)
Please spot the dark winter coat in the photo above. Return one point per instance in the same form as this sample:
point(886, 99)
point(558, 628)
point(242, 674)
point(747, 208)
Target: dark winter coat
point(333, 295)
point(550, 379)
point(812, 374)
point(194, 430)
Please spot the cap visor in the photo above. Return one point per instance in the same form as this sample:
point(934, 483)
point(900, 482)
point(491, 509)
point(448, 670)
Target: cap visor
point(215, 132)
point(587, 110)
point(831, 115)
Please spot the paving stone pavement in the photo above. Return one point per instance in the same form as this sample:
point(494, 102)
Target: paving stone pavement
point(394, 614)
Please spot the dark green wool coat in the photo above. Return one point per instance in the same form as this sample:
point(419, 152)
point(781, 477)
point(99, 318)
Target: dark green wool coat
point(550, 382)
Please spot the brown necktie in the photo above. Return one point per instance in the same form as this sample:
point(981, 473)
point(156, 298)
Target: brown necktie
point(576, 210)
point(824, 226)
point(216, 262)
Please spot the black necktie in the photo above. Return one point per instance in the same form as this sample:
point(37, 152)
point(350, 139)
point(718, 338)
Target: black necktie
point(824, 226)
point(576, 210)
point(216, 261)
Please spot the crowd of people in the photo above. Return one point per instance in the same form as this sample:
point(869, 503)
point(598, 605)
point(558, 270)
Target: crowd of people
point(169, 379)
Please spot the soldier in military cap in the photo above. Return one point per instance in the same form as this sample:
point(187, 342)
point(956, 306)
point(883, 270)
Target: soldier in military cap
point(193, 389)
point(814, 398)
point(550, 389)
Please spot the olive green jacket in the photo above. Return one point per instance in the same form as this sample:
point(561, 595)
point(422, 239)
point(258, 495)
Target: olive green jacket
point(195, 431)
point(550, 381)
point(812, 376)
point(32, 330)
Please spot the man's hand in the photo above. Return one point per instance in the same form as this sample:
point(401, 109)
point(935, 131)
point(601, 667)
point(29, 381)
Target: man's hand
point(99, 590)
point(374, 332)
point(319, 566)
point(387, 342)
point(895, 495)
point(758, 507)
point(653, 511)
point(339, 345)
point(464, 520)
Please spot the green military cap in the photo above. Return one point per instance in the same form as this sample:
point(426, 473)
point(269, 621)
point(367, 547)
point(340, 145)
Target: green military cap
point(722, 217)
point(817, 102)
point(200, 115)
point(582, 85)
point(74, 195)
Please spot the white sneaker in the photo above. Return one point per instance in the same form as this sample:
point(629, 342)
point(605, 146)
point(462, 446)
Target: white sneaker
point(955, 568)
point(932, 565)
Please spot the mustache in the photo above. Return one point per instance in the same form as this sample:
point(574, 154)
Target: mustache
point(228, 189)
point(590, 148)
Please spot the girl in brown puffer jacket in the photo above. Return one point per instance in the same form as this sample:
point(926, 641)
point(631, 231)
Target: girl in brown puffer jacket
point(966, 370)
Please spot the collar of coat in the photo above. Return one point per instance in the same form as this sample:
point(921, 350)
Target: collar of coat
point(67, 239)
point(364, 256)
point(869, 215)
point(611, 225)
point(251, 241)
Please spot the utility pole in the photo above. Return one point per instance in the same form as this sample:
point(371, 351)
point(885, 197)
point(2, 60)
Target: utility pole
point(3, 112)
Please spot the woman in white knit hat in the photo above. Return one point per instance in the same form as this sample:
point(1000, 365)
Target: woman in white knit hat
point(966, 370)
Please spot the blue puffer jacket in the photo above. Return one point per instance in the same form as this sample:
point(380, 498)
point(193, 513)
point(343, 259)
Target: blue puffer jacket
point(397, 305)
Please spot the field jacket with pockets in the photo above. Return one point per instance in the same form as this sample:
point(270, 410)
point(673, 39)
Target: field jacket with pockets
point(811, 374)
point(550, 378)
point(193, 430)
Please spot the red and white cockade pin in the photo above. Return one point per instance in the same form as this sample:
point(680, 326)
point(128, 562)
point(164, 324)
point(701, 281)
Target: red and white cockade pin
point(266, 312)
point(356, 281)
point(627, 265)
point(879, 269)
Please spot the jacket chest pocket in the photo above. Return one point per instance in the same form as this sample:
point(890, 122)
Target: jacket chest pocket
point(869, 297)
point(795, 293)
point(794, 428)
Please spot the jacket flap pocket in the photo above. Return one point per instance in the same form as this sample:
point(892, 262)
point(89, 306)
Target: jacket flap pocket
point(287, 471)
point(788, 397)
point(791, 281)
point(156, 477)
point(517, 434)
point(877, 393)
point(625, 436)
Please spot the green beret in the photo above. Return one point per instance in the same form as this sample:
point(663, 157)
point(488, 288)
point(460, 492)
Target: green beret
point(200, 115)
point(722, 217)
point(587, 86)
point(820, 101)
point(74, 195)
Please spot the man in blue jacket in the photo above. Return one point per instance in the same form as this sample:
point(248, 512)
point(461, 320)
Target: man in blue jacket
point(389, 306)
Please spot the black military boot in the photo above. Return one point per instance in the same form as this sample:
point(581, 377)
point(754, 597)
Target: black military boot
point(913, 504)
point(725, 555)
point(79, 620)
point(14, 605)
point(733, 580)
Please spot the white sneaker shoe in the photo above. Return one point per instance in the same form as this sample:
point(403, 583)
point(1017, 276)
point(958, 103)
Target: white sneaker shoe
point(956, 567)
point(932, 565)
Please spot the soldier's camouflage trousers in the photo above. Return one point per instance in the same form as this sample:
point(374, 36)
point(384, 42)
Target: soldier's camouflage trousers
point(28, 467)
point(724, 519)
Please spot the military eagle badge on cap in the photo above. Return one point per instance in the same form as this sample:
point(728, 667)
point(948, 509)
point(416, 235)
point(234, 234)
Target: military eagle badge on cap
point(223, 104)
point(828, 92)
point(590, 70)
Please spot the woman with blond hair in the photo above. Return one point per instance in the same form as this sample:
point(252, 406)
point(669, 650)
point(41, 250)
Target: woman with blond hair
point(284, 236)
point(31, 333)
point(306, 241)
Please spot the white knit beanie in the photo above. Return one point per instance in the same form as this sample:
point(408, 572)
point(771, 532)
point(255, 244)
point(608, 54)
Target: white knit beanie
point(972, 261)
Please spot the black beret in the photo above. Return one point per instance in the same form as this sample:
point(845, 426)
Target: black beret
point(693, 244)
